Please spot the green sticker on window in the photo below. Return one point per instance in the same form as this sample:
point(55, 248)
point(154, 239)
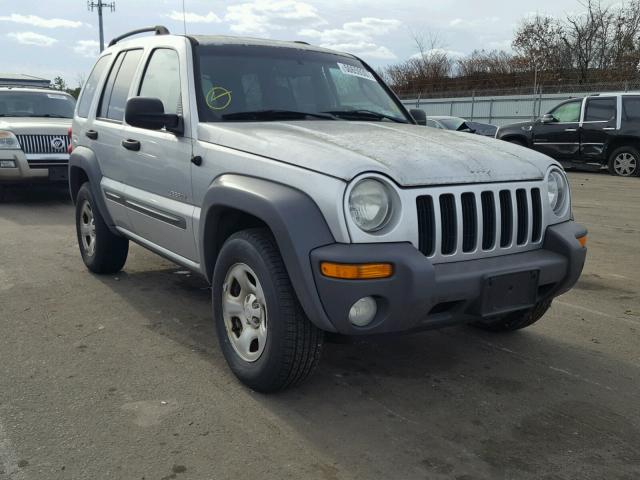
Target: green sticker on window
point(218, 98)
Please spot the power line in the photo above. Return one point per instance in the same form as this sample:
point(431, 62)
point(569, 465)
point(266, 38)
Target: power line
point(99, 5)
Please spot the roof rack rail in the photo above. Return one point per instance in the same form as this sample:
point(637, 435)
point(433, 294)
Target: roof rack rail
point(302, 42)
point(25, 85)
point(158, 29)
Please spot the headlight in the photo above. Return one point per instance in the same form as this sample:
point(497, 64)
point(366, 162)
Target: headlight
point(370, 205)
point(8, 140)
point(558, 191)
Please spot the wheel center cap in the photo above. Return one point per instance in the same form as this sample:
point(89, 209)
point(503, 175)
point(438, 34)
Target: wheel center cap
point(252, 310)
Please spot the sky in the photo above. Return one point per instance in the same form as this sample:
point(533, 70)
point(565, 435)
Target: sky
point(60, 37)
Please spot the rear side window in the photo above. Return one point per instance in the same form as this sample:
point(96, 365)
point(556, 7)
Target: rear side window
point(631, 109)
point(600, 109)
point(568, 112)
point(91, 85)
point(116, 90)
point(162, 79)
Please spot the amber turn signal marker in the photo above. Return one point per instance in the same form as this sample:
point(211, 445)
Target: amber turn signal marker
point(360, 271)
point(583, 241)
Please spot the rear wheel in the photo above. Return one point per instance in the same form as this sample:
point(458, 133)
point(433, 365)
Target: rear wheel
point(264, 334)
point(625, 162)
point(101, 250)
point(517, 320)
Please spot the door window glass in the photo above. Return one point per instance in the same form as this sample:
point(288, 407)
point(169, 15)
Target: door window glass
point(631, 108)
point(91, 85)
point(568, 112)
point(116, 91)
point(162, 80)
point(600, 109)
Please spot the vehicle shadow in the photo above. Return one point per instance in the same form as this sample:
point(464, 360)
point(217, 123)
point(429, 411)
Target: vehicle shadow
point(34, 194)
point(455, 403)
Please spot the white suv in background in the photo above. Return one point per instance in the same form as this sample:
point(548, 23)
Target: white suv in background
point(34, 134)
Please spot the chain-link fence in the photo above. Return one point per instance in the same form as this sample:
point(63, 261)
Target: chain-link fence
point(500, 107)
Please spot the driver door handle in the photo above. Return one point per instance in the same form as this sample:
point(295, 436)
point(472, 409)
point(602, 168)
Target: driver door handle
point(570, 129)
point(609, 128)
point(130, 144)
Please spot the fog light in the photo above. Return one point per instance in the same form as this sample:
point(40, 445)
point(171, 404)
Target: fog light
point(363, 311)
point(7, 164)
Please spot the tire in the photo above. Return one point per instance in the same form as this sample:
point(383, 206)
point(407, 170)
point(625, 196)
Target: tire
point(624, 162)
point(287, 346)
point(517, 320)
point(101, 250)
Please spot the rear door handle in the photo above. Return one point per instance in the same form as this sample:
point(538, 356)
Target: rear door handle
point(609, 128)
point(130, 144)
point(570, 129)
point(92, 134)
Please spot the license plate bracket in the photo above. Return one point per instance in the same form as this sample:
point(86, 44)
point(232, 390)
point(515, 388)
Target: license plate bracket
point(58, 174)
point(509, 292)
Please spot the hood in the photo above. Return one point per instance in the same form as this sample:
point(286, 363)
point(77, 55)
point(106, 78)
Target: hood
point(412, 155)
point(36, 125)
point(515, 126)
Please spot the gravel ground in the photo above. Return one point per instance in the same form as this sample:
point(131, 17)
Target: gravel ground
point(120, 377)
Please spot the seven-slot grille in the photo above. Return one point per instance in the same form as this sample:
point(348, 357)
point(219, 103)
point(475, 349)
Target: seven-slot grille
point(479, 220)
point(46, 144)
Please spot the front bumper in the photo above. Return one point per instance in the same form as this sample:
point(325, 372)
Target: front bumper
point(421, 295)
point(33, 168)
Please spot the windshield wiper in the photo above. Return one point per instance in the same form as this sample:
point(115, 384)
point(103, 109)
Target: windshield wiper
point(361, 114)
point(275, 115)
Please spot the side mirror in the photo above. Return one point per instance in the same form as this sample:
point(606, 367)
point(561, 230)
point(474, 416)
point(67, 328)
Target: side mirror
point(145, 112)
point(547, 118)
point(420, 116)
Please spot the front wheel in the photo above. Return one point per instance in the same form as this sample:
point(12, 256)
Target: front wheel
point(101, 250)
point(517, 320)
point(264, 334)
point(625, 162)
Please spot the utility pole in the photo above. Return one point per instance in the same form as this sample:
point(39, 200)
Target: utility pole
point(99, 5)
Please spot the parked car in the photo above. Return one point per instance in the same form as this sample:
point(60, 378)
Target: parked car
point(295, 181)
point(587, 133)
point(461, 125)
point(34, 127)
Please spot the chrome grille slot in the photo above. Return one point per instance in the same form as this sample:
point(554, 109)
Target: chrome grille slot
point(469, 222)
point(488, 221)
point(43, 143)
point(523, 217)
point(448, 218)
point(426, 225)
point(475, 221)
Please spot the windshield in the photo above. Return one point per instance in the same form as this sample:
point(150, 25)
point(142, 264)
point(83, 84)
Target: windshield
point(248, 83)
point(452, 123)
point(14, 103)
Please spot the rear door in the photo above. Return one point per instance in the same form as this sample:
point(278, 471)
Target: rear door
point(158, 162)
point(560, 139)
point(107, 132)
point(599, 124)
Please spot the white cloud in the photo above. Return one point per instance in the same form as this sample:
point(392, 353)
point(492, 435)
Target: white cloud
point(261, 16)
point(475, 23)
point(32, 38)
point(87, 48)
point(36, 21)
point(191, 17)
point(357, 37)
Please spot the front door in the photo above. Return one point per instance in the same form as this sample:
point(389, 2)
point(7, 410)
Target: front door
point(560, 139)
point(159, 195)
point(599, 123)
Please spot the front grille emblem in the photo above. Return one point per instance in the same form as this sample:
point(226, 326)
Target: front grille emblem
point(57, 143)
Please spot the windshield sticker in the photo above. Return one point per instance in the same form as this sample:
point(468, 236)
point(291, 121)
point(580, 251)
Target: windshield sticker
point(218, 98)
point(56, 96)
point(355, 71)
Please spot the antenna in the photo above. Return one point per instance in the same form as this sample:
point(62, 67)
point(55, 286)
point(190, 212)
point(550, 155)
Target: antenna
point(184, 18)
point(99, 5)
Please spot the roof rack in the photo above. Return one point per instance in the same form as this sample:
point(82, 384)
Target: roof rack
point(158, 29)
point(25, 85)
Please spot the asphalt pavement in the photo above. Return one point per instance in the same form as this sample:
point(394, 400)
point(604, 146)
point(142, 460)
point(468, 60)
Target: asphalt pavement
point(120, 377)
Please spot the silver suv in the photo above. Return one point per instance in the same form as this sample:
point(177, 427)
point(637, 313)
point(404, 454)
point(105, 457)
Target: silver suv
point(34, 134)
point(297, 184)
